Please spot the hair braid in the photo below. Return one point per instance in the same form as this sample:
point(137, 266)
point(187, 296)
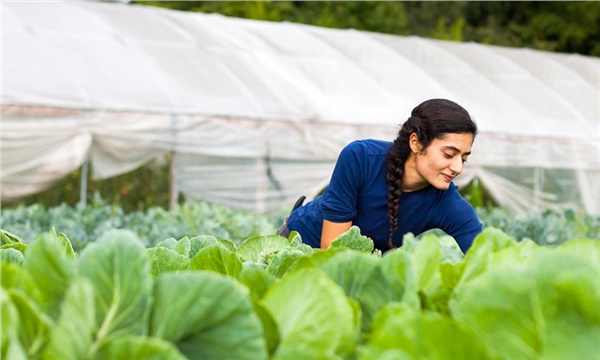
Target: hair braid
point(397, 158)
point(394, 183)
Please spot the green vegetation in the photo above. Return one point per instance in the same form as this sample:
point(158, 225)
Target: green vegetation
point(200, 297)
point(126, 279)
point(561, 26)
point(545, 228)
point(137, 190)
point(86, 224)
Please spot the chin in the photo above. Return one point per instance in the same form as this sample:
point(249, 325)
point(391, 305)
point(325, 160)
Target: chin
point(441, 185)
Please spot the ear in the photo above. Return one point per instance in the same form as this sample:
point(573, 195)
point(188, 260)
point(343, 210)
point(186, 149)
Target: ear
point(414, 143)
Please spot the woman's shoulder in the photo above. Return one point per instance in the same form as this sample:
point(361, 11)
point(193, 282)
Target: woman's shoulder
point(438, 196)
point(369, 146)
point(445, 209)
point(451, 199)
point(451, 193)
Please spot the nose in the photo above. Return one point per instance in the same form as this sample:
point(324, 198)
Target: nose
point(457, 166)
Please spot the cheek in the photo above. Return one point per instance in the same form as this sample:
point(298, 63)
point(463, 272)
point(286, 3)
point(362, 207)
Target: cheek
point(436, 163)
point(443, 163)
point(428, 165)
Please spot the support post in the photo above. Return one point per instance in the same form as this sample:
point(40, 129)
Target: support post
point(173, 183)
point(538, 185)
point(173, 188)
point(84, 183)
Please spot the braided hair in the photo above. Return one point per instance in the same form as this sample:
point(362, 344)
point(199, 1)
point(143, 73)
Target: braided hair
point(430, 120)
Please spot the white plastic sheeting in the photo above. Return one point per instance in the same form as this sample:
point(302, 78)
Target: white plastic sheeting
point(257, 112)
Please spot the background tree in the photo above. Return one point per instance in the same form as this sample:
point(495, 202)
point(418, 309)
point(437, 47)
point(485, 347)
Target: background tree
point(560, 26)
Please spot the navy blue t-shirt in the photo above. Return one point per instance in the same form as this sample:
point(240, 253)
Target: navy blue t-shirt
point(357, 192)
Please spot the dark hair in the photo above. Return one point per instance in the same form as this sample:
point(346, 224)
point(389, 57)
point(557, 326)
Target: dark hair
point(432, 119)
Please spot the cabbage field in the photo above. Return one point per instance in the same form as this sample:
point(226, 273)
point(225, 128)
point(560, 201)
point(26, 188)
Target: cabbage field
point(85, 224)
point(270, 297)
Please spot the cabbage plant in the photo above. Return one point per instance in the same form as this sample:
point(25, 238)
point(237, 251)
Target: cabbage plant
point(270, 297)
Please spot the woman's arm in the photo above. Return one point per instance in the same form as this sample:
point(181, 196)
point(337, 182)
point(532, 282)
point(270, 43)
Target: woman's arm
point(332, 230)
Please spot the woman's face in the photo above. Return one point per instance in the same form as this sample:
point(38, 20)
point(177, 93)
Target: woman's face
point(442, 160)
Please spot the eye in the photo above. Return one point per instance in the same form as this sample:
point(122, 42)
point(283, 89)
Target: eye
point(464, 161)
point(448, 156)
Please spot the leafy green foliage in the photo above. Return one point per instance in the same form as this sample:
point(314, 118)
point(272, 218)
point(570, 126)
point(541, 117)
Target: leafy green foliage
point(254, 249)
point(119, 269)
point(74, 334)
point(86, 224)
point(140, 348)
point(11, 255)
point(399, 329)
point(304, 319)
point(352, 239)
point(381, 16)
point(138, 190)
point(208, 316)
point(50, 269)
point(531, 303)
point(545, 228)
point(271, 298)
point(164, 259)
point(218, 259)
point(9, 238)
point(560, 26)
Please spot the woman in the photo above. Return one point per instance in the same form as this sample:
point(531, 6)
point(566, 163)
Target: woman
point(389, 189)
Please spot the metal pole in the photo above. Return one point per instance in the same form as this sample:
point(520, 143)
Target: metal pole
point(173, 183)
point(84, 183)
point(174, 190)
point(538, 184)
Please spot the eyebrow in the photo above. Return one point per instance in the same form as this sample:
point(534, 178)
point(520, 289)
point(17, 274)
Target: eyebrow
point(455, 149)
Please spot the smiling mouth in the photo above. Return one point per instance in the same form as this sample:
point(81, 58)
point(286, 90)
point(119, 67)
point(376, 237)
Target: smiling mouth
point(448, 177)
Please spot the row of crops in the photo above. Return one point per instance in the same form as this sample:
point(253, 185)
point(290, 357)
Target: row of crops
point(268, 297)
point(86, 224)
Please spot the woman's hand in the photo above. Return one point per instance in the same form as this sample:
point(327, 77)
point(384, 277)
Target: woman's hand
point(331, 231)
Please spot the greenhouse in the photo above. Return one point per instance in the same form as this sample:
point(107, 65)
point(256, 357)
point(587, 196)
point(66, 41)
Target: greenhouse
point(255, 113)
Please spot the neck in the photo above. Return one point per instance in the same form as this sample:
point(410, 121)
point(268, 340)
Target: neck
point(411, 181)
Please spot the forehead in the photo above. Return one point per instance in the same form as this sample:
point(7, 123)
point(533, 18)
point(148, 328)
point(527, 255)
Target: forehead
point(460, 141)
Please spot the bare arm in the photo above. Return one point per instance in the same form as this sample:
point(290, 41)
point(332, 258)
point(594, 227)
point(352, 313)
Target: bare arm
point(332, 230)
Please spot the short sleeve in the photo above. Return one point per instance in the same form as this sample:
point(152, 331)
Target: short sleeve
point(340, 198)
